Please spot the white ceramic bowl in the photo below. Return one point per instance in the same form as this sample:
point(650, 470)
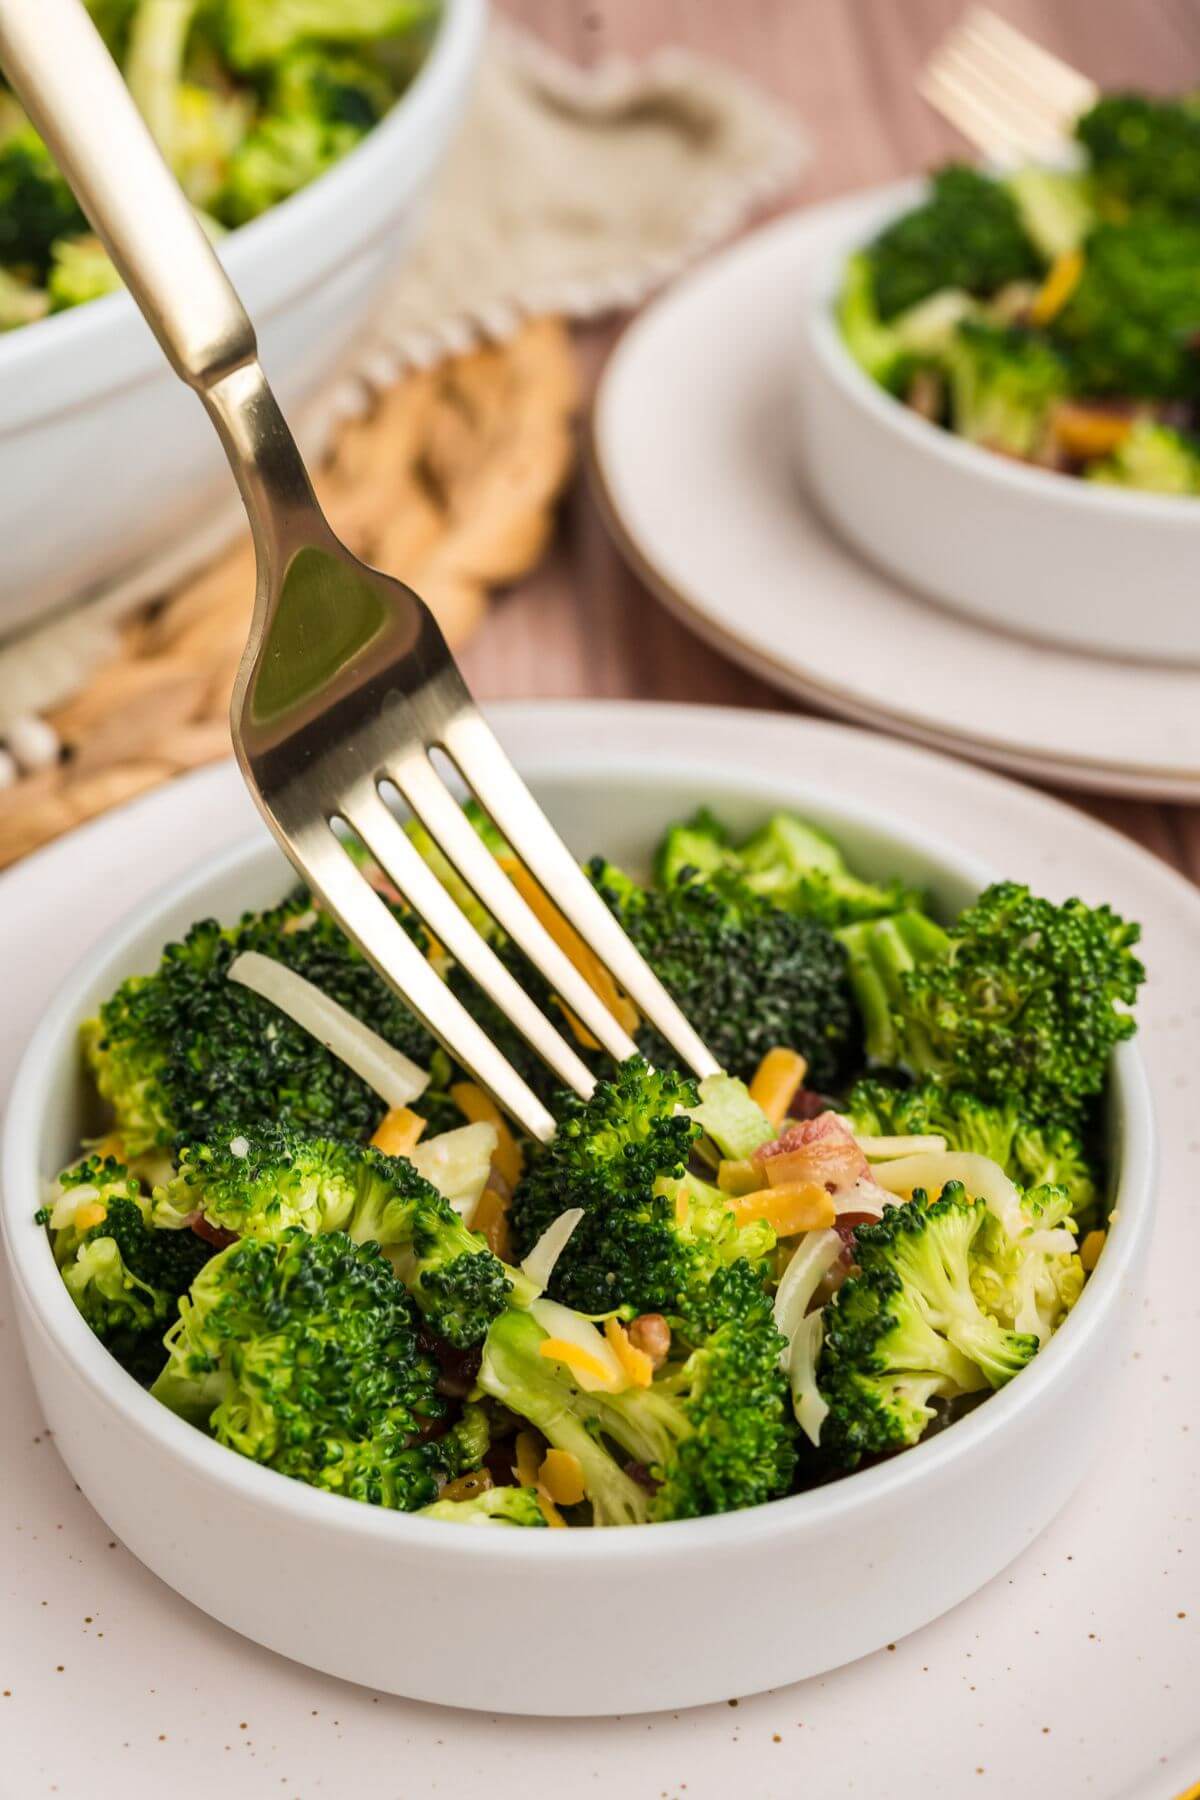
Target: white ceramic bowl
point(106, 460)
point(573, 1622)
point(1023, 548)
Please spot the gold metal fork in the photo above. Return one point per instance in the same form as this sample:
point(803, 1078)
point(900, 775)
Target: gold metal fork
point(347, 683)
point(1007, 96)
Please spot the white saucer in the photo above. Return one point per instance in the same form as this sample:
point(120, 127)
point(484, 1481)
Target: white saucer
point(1073, 1673)
point(693, 448)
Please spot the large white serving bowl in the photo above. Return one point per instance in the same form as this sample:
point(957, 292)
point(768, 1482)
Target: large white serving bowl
point(566, 1622)
point(106, 460)
point(1026, 549)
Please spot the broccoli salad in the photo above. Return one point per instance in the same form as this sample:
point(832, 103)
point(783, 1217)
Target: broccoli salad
point(318, 1241)
point(1051, 315)
point(249, 101)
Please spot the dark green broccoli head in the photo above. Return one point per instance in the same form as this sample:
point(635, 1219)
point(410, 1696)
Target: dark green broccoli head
point(1031, 1154)
point(1020, 1002)
point(304, 1353)
point(336, 88)
point(1130, 326)
point(36, 205)
point(748, 974)
point(907, 1327)
point(1003, 382)
point(265, 1180)
point(1144, 153)
point(185, 1053)
point(967, 235)
point(123, 1275)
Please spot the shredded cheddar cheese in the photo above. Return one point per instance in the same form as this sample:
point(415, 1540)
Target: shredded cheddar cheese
point(92, 1212)
point(399, 1131)
point(1087, 431)
point(112, 1145)
point(490, 1219)
point(776, 1079)
point(574, 948)
point(550, 1512)
point(636, 1364)
point(795, 1206)
point(682, 1207)
point(480, 1109)
point(1057, 288)
point(577, 1359)
point(561, 1478)
point(1089, 1250)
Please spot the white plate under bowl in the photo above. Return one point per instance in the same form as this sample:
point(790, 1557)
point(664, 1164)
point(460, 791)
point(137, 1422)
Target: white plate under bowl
point(1072, 1672)
point(694, 449)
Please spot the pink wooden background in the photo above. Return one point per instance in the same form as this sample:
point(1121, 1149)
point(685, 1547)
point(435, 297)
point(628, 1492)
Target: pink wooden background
point(584, 624)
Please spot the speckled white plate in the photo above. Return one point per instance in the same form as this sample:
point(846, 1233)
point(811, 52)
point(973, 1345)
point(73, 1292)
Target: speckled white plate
point(1073, 1673)
point(694, 450)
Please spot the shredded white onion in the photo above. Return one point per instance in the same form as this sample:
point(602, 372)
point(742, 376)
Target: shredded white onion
point(884, 1149)
point(394, 1076)
point(539, 1264)
point(808, 1403)
point(982, 1178)
point(818, 1251)
point(458, 1163)
point(866, 1196)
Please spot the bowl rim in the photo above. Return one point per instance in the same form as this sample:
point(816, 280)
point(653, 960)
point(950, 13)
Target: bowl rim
point(924, 437)
point(840, 1502)
point(267, 242)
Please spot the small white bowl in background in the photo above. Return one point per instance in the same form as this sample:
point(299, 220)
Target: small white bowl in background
point(1027, 549)
point(578, 1622)
point(106, 459)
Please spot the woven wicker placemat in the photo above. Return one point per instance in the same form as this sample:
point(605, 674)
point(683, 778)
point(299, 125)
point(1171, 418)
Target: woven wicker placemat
point(449, 482)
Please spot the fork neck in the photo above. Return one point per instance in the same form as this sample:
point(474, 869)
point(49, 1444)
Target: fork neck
point(266, 463)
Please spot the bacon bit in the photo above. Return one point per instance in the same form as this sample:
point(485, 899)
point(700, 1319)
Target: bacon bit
point(1057, 288)
point(574, 948)
point(480, 1109)
point(798, 1206)
point(213, 1234)
point(1088, 431)
point(741, 1176)
point(490, 1219)
point(561, 1478)
point(776, 1079)
point(822, 1150)
point(808, 1104)
point(634, 1360)
point(1089, 1250)
point(398, 1132)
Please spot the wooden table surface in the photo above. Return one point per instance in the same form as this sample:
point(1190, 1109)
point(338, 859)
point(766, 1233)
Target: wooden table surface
point(584, 624)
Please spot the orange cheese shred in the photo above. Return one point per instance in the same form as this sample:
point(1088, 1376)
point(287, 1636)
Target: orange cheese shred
point(561, 1478)
point(490, 1219)
point(1089, 1250)
point(796, 1206)
point(481, 1109)
point(576, 1358)
point(1057, 288)
point(92, 1212)
point(634, 1362)
point(399, 1131)
point(776, 1079)
point(1088, 431)
point(573, 947)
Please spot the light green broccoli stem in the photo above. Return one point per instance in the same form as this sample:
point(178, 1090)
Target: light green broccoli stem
point(879, 952)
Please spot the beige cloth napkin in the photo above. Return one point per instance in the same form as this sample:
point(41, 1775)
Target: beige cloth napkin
point(569, 191)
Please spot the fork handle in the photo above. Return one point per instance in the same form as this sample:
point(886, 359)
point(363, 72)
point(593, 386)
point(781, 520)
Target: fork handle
point(74, 93)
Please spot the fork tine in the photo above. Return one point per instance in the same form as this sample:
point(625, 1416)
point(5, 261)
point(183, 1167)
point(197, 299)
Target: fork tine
point(1041, 68)
point(993, 126)
point(443, 818)
point(1003, 91)
point(330, 873)
point(367, 815)
point(1006, 89)
point(473, 748)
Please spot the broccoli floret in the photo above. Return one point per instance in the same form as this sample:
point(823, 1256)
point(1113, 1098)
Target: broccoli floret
point(1144, 153)
point(748, 975)
point(908, 1328)
point(304, 1353)
point(1055, 206)
point(1026, 1271)
point(515, 1372)
point(185, 1053)
point(1020, 1001)
point(652, 1235)
point(1153, 458)
point(1003, 382)
point(123, 1275)
point(258, 33)
point(269, 1179)
point(892, 352)
point(36, 205)
point(80, 270)
point(967, 235)
point(495, 1506)
point(1032, 1155)
point(1130, 325)
point(801, 869)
